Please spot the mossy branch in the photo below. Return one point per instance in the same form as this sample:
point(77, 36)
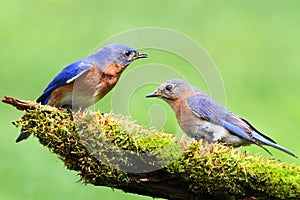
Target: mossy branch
point(110, 150)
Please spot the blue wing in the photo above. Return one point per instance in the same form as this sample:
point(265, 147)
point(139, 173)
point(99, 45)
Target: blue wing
point(205, 107)
point(67, 75)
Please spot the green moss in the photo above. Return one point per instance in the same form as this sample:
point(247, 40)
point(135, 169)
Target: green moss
point(98, 146)
point(235, 174)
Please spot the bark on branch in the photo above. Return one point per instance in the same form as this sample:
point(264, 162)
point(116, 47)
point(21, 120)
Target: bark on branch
point(110, 150)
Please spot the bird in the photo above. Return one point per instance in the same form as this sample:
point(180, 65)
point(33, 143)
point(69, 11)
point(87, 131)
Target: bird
point(86, 81)
point(201, 117)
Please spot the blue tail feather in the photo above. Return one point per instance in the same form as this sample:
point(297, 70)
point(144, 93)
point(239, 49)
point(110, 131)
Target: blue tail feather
point(270, 143)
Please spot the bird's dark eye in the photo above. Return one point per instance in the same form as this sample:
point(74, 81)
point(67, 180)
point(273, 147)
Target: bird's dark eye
point(169, 87)
point(127, 53)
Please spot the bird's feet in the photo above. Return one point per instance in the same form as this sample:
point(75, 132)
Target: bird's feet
point(68, 109)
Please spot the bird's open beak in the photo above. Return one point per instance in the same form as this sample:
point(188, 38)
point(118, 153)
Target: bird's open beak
point(141, 55)
point(154, 94)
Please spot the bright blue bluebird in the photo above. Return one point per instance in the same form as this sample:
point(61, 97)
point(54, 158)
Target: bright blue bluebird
point(201, 117)
point(86, 81)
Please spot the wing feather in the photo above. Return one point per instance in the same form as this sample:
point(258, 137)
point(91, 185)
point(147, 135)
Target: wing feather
point(67, 75)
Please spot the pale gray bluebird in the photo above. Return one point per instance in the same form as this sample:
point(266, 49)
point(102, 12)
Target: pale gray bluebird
point(201, 117)
point(88, 80)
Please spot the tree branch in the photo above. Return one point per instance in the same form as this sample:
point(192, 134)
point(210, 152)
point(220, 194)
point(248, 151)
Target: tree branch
point(110, 150)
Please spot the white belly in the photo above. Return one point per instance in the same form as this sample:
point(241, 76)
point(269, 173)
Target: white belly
point(210, 132)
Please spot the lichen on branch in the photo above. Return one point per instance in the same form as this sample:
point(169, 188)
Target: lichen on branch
point(111, 150)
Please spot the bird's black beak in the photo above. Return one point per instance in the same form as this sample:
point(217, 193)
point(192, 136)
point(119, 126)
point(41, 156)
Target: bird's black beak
point(154, 94)
point(141, 55)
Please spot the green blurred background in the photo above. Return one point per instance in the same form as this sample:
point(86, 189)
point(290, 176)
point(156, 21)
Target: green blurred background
point(255, 44)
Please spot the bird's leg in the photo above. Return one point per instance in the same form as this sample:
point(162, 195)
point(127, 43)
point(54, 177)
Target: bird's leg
point(68, 108)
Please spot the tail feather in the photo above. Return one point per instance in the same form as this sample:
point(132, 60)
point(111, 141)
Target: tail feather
point(22, 136)
point(271, 143)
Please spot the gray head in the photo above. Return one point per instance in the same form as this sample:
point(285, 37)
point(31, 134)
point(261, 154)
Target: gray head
point(116, 54)
point(172, 90)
